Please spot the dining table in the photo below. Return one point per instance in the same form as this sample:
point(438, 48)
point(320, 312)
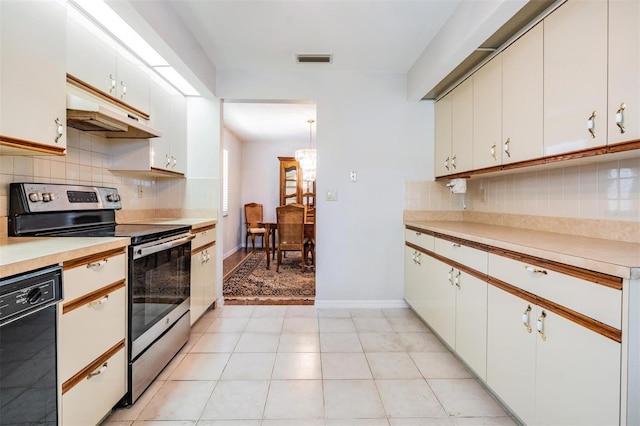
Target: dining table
point(270, 238)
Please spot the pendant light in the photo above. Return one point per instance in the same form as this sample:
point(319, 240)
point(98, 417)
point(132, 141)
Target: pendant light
point(307, 158)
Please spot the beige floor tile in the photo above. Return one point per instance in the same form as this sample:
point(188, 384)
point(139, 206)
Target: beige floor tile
point(237, 399)
point(393, 365)
point(421, 342)
point(193, 339)
point(465, 398)
point(216, 342)
point(165, 423)
point(200, 366)
point(258, 342)
point(293, 422)
point(352, 399)
point(173, 364)
point(336, 325)
point(295, 399)
point(300, 366)
point(398, 313)
point(340, 342)
point(249, 366)
point(268, 311)
point(345, 366)
point(178, 400)
point(334, 313)
point(381, 342)
point(424, 421)
point(407, 324)
point(357, 422)
point(108, 422)
point(370, 325)
point(133, 411)
point(265, 325)
point(409, 398)
point(365, 313)
point(203, 323)
point(236, 311)
point(301, 311)
point(439, 365)
point(300, 325)
point(229, 423)
point(228, 325)
point(299, 342)
point(483, 421)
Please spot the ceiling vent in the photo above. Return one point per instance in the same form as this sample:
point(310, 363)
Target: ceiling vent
point(316, 59)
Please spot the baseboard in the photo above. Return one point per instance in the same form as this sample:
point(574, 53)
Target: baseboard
point(360, 304)
point(234, 250)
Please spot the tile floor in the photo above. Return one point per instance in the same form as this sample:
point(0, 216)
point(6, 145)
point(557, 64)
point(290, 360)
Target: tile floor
point(298, 365)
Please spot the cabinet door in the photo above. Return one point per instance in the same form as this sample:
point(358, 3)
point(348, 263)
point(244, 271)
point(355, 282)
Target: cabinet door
point(577, 374)
point(415, 280)
point(160, 111)
point(178, 134)
point(290, 181)
point(197, 286)
point(32, 71)
point(132, 86)
point(209, 277)
point(522, 89)
point(462, 127)
point(624, 71)
point(471, 322)
point(440, 301)
point(487, 115)
point(511, 351)
point(575, 77)
point(443, 136)
point(91, 54)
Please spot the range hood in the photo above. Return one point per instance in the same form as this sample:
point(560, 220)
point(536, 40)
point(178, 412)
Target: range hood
point(89, 116)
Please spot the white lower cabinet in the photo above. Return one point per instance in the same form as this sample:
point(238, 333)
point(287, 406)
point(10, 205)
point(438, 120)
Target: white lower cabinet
point(547, 369)
point(471, 322)
point(203, 273)
point(417, 266)
point(440, 310)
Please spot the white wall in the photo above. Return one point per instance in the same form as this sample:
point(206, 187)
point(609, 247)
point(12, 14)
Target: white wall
point(233, 223)
point(364, 123)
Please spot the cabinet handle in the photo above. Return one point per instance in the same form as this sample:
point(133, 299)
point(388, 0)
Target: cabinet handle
point(97, 264)
point(535, 270)
point(124, 88)
point(493, 151)
point(419, 259)
point(99, 371)
point(591, 124)
point(175, 161)
point(451, 276)
point(525, 319)
point(168, 161)
point(418, 233)
point(507, 144)
point(455, 245)
point(413, 257)
point(59, 130)
point(453, 161)
point(98, 302)
point(113, 83)
point(620, 117)
point(457, 280)
point(446, 163)
point(540, 326)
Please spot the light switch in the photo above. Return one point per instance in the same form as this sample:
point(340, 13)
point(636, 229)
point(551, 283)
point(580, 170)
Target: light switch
point(332, 195)
point(353, 176)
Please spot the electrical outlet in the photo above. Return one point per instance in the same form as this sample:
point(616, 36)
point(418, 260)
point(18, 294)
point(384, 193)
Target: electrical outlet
point(332, 195)
point(140, 191)
point(353, 176)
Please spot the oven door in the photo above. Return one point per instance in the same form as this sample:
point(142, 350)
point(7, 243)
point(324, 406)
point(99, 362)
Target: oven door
point(159, 286)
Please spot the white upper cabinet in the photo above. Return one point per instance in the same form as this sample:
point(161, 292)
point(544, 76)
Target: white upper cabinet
point(32, 76)
point(168, 114)
point(133, 81)
point(443, 136)
point(522, 89)
point(462, 127)
point(575, 77)
point(624, 71)
point(487, 115)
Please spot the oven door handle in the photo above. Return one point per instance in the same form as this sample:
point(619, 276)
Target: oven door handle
point(145, 251)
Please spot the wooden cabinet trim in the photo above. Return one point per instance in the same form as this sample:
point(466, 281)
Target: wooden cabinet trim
point(422, 231)
point(204, 229)
point(167, 172)
point(75, 81)
point(93, 296)
point(202, 248)
point(82, 261)
point(461, 241)
point(31, 146)
point(84, 373)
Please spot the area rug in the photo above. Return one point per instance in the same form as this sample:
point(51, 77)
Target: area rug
point(251, 283)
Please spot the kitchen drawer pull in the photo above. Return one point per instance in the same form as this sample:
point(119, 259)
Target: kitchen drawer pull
point(451, 276)
point(113, 83)
point(97, 264)
point(540, 326)
point(446, 163)
point(525, 319)
point(99, 371)
point(455, 245)
point(453, 161)
point(591, 125)
point(60, 130)
point(535, 270)
point(418, 233)
point(620, 117)
point(493, 151)
point(98, 302)
point(507, 145)
point(418, 261)
point(124, 88)
point(457, 280)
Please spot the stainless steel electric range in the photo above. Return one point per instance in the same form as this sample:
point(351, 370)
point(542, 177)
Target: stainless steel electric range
point(159, 266)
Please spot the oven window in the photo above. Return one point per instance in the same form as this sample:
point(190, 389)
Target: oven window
point(159, 282)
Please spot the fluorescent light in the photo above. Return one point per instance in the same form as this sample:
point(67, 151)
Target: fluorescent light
point(177, 80)
point(113, 23)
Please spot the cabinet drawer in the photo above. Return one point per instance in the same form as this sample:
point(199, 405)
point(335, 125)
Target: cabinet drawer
point(90, 329)
point(93, 275)
point(203, 238)
point(91, 399)
point(596, 301)
point(418, 238)
point(468, 256)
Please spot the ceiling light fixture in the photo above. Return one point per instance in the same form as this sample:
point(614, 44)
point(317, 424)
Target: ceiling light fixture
point(307, 158)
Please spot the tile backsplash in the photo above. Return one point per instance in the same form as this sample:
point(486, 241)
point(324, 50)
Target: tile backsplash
point(605, 191)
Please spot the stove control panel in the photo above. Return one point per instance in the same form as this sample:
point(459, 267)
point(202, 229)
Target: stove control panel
point(46, 197)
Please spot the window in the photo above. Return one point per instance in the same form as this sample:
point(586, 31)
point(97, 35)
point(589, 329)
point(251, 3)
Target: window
point(225, 182)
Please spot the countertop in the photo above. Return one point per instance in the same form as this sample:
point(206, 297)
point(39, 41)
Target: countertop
point(195, 223)
point(621, 259)
point(23, 254)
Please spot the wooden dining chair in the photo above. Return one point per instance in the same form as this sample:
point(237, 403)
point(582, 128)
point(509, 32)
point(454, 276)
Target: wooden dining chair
point(291, 237)
point(252, 216)
point(310, 234)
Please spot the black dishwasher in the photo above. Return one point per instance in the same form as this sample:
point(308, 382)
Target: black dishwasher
point(28, 376)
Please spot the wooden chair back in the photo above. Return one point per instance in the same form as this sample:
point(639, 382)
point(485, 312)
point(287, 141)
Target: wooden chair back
point(252, 214)
point(291, 227)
